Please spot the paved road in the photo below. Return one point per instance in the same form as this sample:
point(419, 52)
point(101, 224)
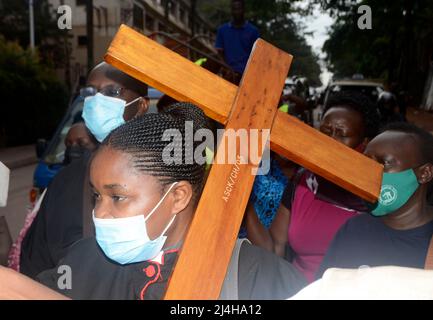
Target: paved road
point(19, 187)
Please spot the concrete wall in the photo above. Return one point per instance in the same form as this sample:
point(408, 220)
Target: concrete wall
point(109, 14)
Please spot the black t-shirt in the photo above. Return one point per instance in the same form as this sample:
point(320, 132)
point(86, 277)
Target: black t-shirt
point(261, 275)
point(366, 240)
point(59, 221)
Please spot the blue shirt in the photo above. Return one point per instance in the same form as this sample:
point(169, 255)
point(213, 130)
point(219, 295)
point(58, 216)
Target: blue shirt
point(237, 44)
point(267, 193)
point(366, 240)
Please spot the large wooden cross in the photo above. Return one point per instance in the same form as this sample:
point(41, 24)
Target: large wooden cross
point(205, 255)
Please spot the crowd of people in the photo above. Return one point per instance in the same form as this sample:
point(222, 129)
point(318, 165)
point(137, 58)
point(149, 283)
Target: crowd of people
point(117, 214)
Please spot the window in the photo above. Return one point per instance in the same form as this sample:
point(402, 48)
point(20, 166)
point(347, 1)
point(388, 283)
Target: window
point(150, 23)
point(173, 8)
point(82, 40)
point(182, 15)
point(98, 17)
point(137, 17)
point(105, 15)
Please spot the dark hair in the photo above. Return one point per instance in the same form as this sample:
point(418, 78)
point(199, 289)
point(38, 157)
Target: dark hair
point(164, 102)
point(123, 79)
point(142, 139)
point(360, 103)
point(78, 117)
point(424, 138)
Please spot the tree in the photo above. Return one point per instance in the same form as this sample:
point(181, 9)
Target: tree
point(53, 43)
point(274, 18)
point(398, 48)
point(33, 100)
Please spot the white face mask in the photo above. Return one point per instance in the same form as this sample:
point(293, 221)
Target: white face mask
point(126, 240)
point(4, 184)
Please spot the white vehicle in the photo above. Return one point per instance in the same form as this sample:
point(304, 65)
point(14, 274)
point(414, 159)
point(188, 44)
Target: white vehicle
point(370, 88)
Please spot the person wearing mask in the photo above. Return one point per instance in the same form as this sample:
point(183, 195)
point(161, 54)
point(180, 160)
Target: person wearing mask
point(65, 213)
point(144, 207)
point(399, 227)
point(235, 40)
point(78, 141)
point(313, 209)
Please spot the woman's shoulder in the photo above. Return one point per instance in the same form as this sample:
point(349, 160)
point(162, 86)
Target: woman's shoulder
point(362, 225)
point(85, 273)
point(364, 219)
point(86, 248)
point(81, 256)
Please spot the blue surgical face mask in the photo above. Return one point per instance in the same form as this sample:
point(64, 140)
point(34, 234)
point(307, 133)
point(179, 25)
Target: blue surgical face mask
point(125, 240)
point(103, 114)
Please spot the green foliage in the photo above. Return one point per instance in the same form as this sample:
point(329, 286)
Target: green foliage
point(274, 18)
point(52, 42)
point(398, 48)
point(32, 99)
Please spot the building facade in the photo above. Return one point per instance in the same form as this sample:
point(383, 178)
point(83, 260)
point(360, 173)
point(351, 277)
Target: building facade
point(170, 22)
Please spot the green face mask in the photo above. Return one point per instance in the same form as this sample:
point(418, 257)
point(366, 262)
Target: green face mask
point(396, 190)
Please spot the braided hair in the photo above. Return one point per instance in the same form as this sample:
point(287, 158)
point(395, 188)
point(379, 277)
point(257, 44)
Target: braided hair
point(361, 103)
point(142, 139)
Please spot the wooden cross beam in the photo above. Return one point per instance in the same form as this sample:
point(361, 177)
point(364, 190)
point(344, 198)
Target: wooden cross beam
point(202, 264)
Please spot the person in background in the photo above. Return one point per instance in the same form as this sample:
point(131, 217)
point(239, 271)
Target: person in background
point(65, 214)
point(313, 209)
point(267, 192)
point(389, 109)
point(235, 40)
point(399, 227)
point(144, 207)
point(79, 143)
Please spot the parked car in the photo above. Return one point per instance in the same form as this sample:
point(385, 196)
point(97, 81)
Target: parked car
point(371, 88)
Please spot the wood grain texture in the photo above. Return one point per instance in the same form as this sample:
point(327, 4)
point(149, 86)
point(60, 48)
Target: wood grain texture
point(214, 229)
point(170, 73)
point(328, 158)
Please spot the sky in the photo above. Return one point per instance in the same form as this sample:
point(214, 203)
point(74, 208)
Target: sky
point(318, 24)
